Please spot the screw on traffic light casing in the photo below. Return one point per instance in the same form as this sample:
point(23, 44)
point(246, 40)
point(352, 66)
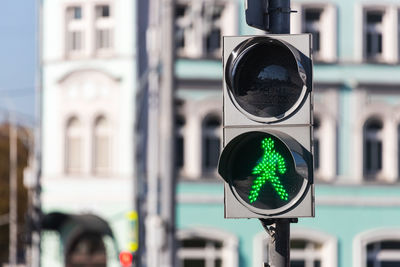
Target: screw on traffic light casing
point(267, 157)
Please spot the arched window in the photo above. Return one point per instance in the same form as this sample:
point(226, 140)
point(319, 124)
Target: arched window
point(305, 253)
point(179, 143)
point(207, 248)
point(372, 148)
point(211, 142)
point(101, 146)
point(317, 126)
point(383, 253)
point(379, 247)
point(73, 146)
point(308, 248)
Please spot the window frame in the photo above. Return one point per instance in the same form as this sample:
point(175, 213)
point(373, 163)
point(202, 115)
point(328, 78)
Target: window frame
point(214, 133)
point(73, 132)
point(326, 108)
point(180, 134)
point(228, 252)
point(390, 27)
point(328, 22)
point(74, 27)
point(103, 25)
point(362, 240)
point(102, 129)
point(90, 26)
point(375, 137)
point(195, 46)
point(369, 29)
point(329, 251)
point(317, 144)
point(370, 104)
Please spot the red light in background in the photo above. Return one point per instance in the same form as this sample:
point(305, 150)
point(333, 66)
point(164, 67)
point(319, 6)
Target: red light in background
point(125, 258)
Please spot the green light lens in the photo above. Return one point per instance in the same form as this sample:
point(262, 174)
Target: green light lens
point(262, 172)
point(267, 170)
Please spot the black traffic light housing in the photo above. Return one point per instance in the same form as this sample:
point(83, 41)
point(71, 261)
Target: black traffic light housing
point(267, 157)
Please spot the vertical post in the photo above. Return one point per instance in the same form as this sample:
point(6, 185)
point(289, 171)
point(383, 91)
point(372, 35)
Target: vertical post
point(278, 229)
point(152, 232)
point(167, 134)
point(279, 16)
point(13, 193)
point(36, 202)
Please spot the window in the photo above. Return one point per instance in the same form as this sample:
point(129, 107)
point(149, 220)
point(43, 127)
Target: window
point(383, 253)
point(88, 34)
point(305, 253)
point(372, 148)
point(377, 33)
point(200, 25)
point(74, 13)
point(320, 20)
point(317, 126)
point(102, 147)
point(211, 143)
point(378, 247)
point(198, 252)
point(103, 28)
point(75, 30)
point(73, 147)
point(398, 152)
point(103, 11)
point(325, 132)
point(206, 248)
point(374, 34)
point(312, 24)
point(308, 248)
point(180, 124)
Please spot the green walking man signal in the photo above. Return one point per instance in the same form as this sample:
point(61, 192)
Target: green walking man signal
point(267, 171)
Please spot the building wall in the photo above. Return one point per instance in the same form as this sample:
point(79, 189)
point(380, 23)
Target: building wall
point(94, 80)
point(351, 86)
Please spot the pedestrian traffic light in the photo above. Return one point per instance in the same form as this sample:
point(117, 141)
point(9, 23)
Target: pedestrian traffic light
point(267, 161)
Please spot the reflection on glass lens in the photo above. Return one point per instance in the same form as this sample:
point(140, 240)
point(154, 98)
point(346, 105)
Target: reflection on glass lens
point(266, 82)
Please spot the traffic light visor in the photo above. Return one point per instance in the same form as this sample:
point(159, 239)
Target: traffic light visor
point(266, 78)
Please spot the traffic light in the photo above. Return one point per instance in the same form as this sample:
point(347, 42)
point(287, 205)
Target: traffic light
point(125, 258)
point(267, 160)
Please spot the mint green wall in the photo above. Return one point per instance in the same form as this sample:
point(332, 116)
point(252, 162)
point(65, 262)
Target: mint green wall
point(212, 215)
point(342, 221)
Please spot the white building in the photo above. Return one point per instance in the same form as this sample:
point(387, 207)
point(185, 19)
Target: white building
point(89, 82)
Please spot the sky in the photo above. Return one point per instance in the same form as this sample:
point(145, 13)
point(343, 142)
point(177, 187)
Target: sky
point(17, 59)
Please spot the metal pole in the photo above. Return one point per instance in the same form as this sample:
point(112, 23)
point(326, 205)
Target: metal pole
point(278, 242)
point(279, 16)
point(167, 135)
point(278, 229)
point(13, 246)
point(153, 221)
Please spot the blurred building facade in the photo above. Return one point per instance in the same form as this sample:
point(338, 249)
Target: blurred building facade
point(89, 81)
point(356, 137)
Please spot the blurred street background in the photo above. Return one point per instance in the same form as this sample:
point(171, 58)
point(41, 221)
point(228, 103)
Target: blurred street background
point(111, 127)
